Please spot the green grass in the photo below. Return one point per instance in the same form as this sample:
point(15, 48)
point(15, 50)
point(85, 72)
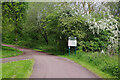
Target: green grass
point(51, 49)
point(102, 65)
point(10, 52)
point(0, 71)
point(17, 69)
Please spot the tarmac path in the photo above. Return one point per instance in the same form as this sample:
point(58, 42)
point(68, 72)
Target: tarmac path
point(50, 66)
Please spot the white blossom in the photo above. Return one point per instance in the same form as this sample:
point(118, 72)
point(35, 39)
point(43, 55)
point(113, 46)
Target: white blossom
point(109, 23)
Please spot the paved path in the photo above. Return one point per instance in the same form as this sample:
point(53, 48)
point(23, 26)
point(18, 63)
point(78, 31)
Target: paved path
point(49, 66)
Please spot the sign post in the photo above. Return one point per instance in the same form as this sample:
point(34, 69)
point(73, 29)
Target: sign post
point(75, 50)
point(69, 50)
point(72, 42)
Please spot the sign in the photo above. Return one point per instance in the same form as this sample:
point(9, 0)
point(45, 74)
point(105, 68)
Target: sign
point(72, 41)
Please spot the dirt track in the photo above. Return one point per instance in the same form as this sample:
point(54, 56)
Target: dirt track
point(49, 66)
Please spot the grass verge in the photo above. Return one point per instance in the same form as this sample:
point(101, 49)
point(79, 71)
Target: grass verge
point(9, 52)
point(0, 71)
point(102, 65)
point(17, 69)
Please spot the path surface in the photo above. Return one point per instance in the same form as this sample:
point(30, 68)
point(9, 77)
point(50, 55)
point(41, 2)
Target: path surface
point(49, 66)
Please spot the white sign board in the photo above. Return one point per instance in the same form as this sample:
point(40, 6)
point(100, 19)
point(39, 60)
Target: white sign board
point(72, 42)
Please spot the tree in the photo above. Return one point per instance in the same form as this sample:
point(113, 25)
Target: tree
point(13, 18)
point(63, 25)
point(37, 13)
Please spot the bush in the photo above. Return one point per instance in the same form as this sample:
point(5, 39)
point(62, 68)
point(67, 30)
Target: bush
point(111, 68)
point(97, 43)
